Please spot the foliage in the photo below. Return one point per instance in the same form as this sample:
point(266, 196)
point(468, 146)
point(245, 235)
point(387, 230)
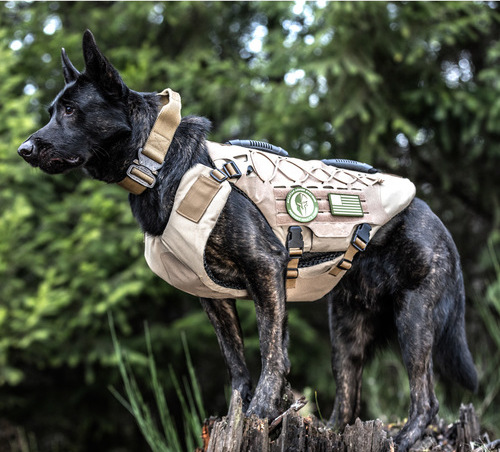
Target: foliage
point(489, 309)
point(168, 440)
point(412, 88)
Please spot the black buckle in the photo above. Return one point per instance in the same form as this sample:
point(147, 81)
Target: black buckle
point(228, 171)
point(346, 262)
point(219, 175)
point(363, 234)
point(294, 238)
point(232, 170)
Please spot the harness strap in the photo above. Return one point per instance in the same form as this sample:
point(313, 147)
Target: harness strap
point(358, 243)
point(141, 174)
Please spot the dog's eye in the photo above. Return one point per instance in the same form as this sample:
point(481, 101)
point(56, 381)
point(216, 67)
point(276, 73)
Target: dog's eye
point(68, 110)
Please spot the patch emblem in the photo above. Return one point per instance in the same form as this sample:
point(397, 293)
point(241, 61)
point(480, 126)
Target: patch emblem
point(301, 205)
point(345, 205)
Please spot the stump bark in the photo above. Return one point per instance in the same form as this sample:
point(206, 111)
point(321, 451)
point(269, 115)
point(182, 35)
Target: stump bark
point(293, 433)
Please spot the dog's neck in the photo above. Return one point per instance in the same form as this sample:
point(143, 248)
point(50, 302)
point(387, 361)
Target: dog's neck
point(152, 208)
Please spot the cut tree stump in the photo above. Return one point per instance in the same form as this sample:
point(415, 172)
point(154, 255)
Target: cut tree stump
point(293, 433)
point(468, 430)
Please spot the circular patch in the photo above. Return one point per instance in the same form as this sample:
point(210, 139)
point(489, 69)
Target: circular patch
point(301, 205)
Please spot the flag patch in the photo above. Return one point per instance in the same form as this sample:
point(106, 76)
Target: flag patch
point(345, 205)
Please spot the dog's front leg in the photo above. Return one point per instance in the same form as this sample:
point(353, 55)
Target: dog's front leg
point(273, 394)
point(225, 320)
point(243, 251)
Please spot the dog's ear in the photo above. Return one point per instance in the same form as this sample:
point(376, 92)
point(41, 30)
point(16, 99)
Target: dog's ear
point(99, 69)
point(69, 71)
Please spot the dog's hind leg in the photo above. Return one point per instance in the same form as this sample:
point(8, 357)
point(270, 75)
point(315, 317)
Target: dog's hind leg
point(351, 334)
point(224, 318)
point(272, 395)
point(415, 333)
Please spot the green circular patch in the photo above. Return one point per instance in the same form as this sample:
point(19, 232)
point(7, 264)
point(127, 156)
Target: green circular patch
point(301, 205)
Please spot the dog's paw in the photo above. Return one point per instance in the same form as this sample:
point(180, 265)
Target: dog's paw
point(269, 401)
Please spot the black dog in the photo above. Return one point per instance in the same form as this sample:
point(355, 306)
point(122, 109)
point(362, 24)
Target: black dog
point(408, 283)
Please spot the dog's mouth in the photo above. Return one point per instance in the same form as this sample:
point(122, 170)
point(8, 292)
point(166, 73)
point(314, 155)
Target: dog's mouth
point(54, 164)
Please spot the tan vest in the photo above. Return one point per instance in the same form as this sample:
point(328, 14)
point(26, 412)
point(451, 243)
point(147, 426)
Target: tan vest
point(345, 199)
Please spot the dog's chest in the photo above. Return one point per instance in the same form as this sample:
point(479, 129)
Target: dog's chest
point(327, 203)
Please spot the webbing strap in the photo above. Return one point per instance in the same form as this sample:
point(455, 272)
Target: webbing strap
point(141, 174)
point(358, 243)
point(166, 124)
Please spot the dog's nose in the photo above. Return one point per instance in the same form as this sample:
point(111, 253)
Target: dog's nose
point(26, 149)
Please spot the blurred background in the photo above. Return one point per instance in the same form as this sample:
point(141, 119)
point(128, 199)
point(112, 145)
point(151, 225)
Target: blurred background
point(411, 88)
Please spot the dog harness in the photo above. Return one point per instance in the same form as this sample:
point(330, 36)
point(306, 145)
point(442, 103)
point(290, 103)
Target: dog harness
point(322, 214)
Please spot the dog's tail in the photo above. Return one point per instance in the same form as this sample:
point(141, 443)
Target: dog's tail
point(452, 355)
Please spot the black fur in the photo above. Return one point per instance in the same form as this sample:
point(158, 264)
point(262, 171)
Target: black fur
point(408, 283)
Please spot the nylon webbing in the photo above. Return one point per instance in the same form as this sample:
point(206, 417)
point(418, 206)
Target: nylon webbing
point(358, 243)
point(142, 173)
point(166, 124)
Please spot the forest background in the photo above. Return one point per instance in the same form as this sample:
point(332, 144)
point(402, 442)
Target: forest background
point(411, 88)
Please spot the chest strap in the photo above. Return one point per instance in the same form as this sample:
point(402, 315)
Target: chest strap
point(141, 174)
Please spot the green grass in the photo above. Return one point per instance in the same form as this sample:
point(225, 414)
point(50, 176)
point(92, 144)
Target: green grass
point(488, 307)
point(162, 435)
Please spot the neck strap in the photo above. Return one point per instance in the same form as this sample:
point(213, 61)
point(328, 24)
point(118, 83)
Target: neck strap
point(141, 174)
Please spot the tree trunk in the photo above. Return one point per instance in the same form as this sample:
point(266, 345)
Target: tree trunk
point(293, 433)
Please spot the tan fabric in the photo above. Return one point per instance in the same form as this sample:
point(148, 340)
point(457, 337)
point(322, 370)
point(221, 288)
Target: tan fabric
point(272, 177)
point(132, 186)
point(178, 255)
point(198, 198)
point(166, 124)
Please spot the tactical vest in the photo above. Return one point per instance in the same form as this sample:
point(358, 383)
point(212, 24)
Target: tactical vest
point(311, 207)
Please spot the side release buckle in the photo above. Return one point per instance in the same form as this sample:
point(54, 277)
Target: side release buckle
point(295, 245)
point(294, 239)
point(361, 236)
point(359, 241)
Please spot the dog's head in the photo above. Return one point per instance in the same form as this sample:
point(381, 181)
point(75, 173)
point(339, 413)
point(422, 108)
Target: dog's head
point(88, 114)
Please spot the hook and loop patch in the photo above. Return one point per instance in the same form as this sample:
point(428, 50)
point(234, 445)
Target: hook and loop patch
point(301, 205)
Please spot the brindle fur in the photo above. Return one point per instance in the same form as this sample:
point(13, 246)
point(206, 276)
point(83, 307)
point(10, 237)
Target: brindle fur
point(408, 282)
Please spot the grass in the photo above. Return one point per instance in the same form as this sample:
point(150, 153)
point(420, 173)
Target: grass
point(488, 307)
point(162, 435)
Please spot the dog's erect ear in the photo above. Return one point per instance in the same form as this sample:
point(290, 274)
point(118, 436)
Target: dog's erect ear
point(99, 69)
point(70, 72)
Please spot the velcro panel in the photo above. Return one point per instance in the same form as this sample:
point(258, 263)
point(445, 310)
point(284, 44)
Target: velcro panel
point(198, 198)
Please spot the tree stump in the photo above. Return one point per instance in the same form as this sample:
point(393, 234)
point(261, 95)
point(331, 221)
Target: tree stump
point(237, 433)
point(467, 429)
point(293, 433)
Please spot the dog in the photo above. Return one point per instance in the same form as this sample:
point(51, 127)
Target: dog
point(407, 284)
